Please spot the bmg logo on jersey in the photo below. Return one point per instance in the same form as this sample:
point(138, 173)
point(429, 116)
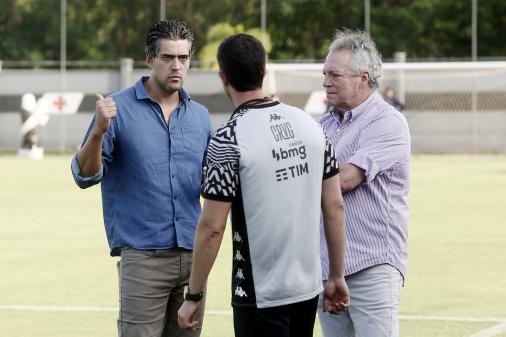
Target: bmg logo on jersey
point(292, 152)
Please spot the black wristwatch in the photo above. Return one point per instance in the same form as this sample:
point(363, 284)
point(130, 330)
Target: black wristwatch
point(188, 296)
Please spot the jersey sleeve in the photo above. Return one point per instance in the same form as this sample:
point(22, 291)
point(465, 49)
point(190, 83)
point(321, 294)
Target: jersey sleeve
point(330, 166)
point(220, 178)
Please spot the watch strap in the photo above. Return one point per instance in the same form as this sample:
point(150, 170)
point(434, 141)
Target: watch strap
point(195, 297)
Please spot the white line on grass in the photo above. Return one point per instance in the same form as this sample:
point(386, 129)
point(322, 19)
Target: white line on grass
point(493, 331)
point(453, 318)
point(46, 308)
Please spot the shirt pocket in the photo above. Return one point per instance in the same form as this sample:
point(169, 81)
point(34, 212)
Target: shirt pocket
point(194, 138)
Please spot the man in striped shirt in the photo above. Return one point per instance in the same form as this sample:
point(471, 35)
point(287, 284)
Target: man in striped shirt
point(372, 145)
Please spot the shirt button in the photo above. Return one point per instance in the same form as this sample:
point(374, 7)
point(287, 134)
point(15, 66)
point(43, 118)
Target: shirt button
point(175, 197)
point(173, 176)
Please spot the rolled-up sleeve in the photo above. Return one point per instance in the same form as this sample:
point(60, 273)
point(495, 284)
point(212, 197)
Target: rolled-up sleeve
point(384, 142)
point(84, 182)
point(366, 163)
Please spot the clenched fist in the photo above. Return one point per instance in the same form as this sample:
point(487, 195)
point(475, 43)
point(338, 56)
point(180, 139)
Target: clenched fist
point(105, 110)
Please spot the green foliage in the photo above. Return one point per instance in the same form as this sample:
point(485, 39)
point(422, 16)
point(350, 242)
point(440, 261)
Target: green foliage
point(208, 55)
point(302, 29)
point(218, 33)
point(430, 28)
point(221, 30)
point(256, 32)
point(96, 29)
point(298, 29)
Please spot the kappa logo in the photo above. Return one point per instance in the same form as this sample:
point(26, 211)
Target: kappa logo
point(239, 274)
point(240, 292)
point(274, 117)
point(237, 237)
point(238, 256)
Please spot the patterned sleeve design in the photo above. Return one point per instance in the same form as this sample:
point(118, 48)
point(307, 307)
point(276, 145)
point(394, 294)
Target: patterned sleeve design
point(330, 166)
point(221, 172)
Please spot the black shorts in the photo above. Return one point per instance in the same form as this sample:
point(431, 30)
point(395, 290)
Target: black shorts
point(292, 320)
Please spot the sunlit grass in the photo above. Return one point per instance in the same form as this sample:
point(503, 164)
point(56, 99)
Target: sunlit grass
point(54, 250)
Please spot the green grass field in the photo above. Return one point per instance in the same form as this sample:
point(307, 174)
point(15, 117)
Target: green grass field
point(57, 279)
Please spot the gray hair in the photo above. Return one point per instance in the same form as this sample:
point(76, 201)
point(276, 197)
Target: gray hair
point(364, 54)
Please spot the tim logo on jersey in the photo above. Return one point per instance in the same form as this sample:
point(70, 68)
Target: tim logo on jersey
point(292, 172)
point(292, 152)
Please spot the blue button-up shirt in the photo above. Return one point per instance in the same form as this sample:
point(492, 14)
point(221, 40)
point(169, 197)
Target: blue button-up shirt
point(375, 137)
point(151, 172)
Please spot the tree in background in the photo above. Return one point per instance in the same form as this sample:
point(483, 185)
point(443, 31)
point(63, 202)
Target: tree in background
point(96, 29)
point(303, 29)
point(491, 28)
point(423, 28)
point(107, 30)
point(220, 31)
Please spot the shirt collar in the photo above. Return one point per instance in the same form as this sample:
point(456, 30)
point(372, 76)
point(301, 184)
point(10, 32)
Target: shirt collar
point(141, 93)
point(358, 110)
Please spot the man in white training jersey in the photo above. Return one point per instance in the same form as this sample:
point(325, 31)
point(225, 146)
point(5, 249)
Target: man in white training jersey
point(273, 166)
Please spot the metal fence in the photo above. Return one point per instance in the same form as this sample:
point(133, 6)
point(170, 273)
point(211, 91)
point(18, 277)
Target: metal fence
point(451, 107)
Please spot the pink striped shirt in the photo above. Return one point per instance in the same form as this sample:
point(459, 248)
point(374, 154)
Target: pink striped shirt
point(375, 137)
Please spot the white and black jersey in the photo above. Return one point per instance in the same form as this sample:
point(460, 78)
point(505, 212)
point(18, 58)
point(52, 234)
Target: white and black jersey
point(269, 160)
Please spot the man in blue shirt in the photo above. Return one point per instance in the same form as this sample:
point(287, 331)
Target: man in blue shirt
point(146, 145)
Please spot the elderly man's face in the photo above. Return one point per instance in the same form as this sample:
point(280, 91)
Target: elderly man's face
point(341, 85)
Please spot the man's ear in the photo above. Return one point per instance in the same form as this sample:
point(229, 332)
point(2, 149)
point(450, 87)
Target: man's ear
point(149, 61)
point(223, 78)
point(365, 77)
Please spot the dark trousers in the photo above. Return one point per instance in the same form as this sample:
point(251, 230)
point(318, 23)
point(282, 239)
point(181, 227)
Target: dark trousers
point(292, 320)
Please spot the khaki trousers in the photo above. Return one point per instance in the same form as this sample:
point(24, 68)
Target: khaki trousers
point(151, 285)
